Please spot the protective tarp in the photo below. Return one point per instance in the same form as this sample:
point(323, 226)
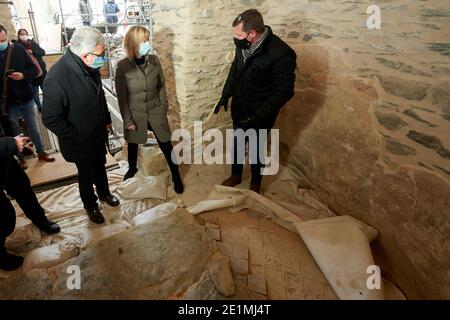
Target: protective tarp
point(49, 256)
point(160, 211)
point(143, 188)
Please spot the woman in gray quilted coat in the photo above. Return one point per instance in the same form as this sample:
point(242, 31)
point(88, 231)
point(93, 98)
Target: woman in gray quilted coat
point(142, 100)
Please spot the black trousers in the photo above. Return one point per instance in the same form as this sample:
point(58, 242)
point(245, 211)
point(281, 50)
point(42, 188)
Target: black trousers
point(166, 148)
point(16, 183)
point(237, 166)
point(92, 172)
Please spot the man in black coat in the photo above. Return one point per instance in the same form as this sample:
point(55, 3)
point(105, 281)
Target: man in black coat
point(15, 182)
point(260, 81)
point(75, 110)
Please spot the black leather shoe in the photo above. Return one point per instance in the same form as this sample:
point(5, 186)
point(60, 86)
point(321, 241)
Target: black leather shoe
point(96, 216)
point(8, 261)
point(49, 227)
point(177, 184)
point(130, 173)
point(111, 200)
point(255, 186)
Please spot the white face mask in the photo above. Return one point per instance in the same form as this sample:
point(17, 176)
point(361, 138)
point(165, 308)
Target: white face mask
point(24, 38)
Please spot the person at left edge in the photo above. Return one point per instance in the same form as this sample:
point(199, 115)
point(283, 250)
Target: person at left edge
point(75, 110)
point(34, 49)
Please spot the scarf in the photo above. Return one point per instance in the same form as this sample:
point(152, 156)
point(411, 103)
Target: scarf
point(247, 53)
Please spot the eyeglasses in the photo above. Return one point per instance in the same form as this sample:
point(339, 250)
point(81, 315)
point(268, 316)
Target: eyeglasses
point(102, 55)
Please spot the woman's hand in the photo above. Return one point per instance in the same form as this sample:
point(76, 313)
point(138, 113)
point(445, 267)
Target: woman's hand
point(21, 142)
point(132, 127)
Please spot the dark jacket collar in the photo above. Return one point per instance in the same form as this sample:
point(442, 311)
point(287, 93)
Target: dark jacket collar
point(264, 44)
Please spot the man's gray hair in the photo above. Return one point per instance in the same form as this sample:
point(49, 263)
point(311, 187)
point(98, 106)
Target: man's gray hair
point(84, 40)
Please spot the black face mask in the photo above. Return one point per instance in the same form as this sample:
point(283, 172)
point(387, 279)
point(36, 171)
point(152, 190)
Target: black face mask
point(242, 43)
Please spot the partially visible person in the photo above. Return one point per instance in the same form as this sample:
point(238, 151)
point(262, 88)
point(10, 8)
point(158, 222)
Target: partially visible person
point(111, 10)
point(141, 93)
point(34, 49)
point(260, 82)
point(85, 11)
point(75, 110)
point(20, 74)
point(15, 182)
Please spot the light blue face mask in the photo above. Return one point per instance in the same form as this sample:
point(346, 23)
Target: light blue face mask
point(99, 62)
point(4, 46)
point(144, 48)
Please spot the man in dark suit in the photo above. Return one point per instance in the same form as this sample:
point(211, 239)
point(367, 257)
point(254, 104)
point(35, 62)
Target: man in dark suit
point(260, 81)
point(75, 110)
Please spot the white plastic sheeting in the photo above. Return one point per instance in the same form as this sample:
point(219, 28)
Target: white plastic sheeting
point(49, 256)
point(160, 211)
point(143, 188)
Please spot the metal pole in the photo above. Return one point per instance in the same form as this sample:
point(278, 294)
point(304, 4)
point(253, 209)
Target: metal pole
point(108, 48)
point(63, 23)
point(143, 22)
point(33, 24)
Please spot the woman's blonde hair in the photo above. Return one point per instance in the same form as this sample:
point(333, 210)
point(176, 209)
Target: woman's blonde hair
point(133, 39)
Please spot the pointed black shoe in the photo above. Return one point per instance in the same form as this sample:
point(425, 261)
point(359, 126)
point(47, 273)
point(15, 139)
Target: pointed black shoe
point(177, 184)
point(8, 261)
point(49, 227)
point(96, 216)
point(130, 173)
point(111, 200)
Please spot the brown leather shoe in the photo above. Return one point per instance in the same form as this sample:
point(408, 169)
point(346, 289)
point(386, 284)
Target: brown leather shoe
point(256, 187)
point(23, 163)
point(45, 157)
point(232, 181)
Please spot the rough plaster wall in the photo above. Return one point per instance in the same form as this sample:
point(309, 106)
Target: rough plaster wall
point(369, 124)
point(374, 137)
point(194, 41)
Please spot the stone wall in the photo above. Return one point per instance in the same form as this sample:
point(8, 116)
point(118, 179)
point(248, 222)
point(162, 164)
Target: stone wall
point(369, 124)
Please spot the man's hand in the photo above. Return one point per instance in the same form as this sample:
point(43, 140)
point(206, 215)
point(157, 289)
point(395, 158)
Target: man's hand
point(30, 51)
point(223, 102)
point(132, 127)
point(17, 76)
point(21, 142)
point(109, 128)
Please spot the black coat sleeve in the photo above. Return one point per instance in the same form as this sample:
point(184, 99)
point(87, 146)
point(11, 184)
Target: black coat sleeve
point(54, 112)
point(38, 52)
point(283, 75)
point(106, 110)
point(8, 147)
point(29, 72)
point(231, 79)
point(10, 129)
